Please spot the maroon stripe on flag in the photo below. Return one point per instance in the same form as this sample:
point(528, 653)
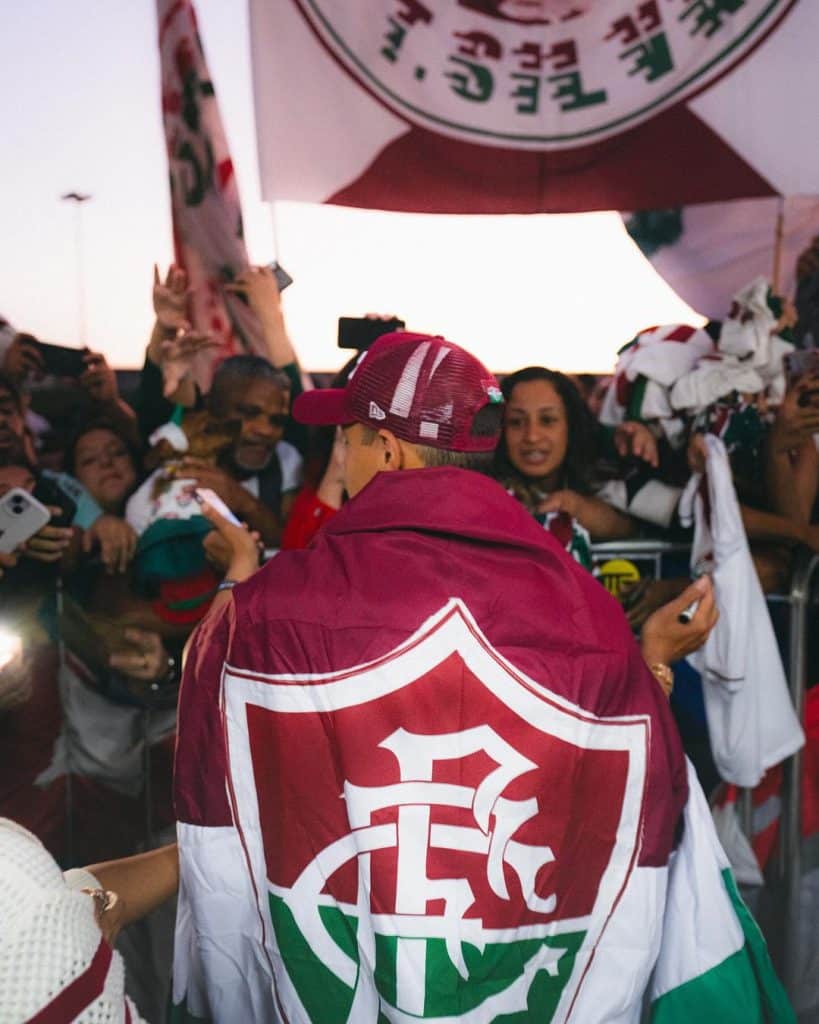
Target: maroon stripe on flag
point(225, 172)
point(674, 159)
point(199, 783)
point(169, 17)
point(80, 993)
point(681, 333)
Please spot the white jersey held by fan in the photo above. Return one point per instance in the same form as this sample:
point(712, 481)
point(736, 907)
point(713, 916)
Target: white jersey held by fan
point(751, 719)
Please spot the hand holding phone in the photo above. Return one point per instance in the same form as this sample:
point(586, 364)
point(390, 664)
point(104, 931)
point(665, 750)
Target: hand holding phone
point(251, 287)
point(21, 516)
point(206, 496)
point(283, 279)
point(359, 332)
point(59, 361)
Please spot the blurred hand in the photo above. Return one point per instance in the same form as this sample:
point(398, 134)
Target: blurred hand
point(8, 560)
point(797, 418)
point(566, 501)
point(258, 285)
point(170, 299)
point(99, 380)
point(810, 536)
point(632, 438)
point(789, 317)
point(22, 360)
point(640, 599)
point(217, 551)
point(697, 453)
point(109, 912)
point(148, 662)
point(205, 474)
point(245, 545)
point(51, 542)
point(338, 458)
point(16, 682)
point(178, 354)
point(116, 539)
point(665, 639)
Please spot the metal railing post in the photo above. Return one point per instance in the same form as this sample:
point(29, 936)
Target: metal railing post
point(789, 870)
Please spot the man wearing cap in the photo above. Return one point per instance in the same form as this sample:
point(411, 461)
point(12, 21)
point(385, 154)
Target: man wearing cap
point(423, 771)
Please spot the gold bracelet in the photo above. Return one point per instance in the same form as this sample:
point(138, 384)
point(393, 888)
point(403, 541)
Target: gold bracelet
point(664, 676)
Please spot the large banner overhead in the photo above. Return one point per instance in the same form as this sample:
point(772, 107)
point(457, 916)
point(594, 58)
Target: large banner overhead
point(501, 106)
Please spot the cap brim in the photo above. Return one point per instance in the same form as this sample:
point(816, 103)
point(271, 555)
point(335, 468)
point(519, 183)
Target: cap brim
point(322, 407)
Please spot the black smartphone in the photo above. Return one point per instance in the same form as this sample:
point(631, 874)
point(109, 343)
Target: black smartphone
point(359, 332)
point(59, 361)
point(283, 279)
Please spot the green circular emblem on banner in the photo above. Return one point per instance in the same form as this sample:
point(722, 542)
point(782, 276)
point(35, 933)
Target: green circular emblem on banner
point(538, 75)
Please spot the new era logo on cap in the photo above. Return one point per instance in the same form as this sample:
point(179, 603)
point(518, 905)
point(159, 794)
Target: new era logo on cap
point(422, 388)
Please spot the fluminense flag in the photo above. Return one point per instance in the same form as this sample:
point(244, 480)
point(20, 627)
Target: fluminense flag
point(501, 106)
point(423, 773)
point(207, 217)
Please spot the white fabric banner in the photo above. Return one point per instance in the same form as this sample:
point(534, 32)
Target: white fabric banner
point(533, 105)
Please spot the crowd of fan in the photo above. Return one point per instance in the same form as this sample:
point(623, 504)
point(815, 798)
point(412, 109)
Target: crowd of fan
point(106, 594)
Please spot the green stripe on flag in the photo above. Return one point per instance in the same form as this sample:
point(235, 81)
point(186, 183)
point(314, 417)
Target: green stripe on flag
point(327, 1000)
point(178, 1013)
point(743, 989)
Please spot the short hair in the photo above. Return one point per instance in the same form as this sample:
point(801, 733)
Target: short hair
point(238, 369)
point(8, 383)
point(486, 423)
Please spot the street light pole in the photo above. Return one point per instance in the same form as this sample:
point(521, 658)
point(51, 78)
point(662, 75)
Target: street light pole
point(78, 198)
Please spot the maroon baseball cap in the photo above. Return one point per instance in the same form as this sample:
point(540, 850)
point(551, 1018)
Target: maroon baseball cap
point(424, 389)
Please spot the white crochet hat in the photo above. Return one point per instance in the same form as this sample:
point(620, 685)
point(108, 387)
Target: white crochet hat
point(53, 959)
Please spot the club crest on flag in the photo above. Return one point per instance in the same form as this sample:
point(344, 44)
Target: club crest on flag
point(411, 827)
point(535, 76)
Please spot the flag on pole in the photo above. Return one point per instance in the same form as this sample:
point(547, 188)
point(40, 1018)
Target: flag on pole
point(517, 106)
point(207, 217)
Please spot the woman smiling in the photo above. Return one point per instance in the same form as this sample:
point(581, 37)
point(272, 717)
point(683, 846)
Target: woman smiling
point(547, 456)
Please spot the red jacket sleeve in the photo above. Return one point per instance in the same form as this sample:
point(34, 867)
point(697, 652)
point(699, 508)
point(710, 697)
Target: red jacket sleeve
point(308, 515)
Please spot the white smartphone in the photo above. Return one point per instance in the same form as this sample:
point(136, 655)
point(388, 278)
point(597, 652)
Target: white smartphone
point(21, 516)
point(205, 496)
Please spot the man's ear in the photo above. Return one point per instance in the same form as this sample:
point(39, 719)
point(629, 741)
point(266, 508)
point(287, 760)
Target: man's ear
point(390, 453)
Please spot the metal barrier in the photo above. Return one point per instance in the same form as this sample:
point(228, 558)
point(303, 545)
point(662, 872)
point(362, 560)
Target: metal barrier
point(784, 939)
point(790, 831)
point(652, 551)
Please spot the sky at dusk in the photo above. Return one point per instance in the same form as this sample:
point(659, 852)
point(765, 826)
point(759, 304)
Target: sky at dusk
point(80, 83)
